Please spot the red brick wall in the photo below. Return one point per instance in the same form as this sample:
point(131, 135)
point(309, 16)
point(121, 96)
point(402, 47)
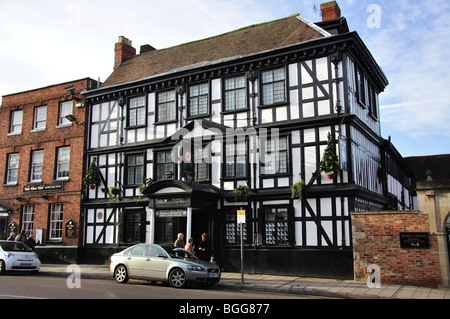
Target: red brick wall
point(48, 140)
point(376, 240)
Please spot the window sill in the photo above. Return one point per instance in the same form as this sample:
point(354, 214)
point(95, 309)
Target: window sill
point(14, 134)
point(37, 130)
point(266, 106)
point(194, 117)
point(234, 111)
point(165, 122)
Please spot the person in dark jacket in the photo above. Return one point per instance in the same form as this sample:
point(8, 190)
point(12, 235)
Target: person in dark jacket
point(204, 249)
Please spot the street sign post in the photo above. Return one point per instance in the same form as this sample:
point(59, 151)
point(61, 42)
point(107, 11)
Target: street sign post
point(241, 221)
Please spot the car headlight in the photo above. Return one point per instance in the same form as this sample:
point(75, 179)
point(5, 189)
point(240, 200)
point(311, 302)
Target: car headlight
point(195, 268)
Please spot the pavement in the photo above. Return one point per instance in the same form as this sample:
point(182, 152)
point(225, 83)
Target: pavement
point(331, 288)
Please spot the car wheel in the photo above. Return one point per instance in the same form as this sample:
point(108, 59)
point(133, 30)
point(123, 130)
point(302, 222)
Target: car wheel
point(177, 278)
point(121, 274)
point(2, 267)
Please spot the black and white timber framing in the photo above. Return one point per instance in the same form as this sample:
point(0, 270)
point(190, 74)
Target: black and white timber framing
point(330, 85)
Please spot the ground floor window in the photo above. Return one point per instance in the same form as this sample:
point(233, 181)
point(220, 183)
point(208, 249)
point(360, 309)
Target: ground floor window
point(56, 222)
point(276, 228)
point(133, 226)
point(28, 218)
point(232, 229)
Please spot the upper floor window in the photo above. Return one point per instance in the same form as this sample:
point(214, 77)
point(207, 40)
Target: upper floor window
point(273, 86)
point(198, 100)
point(236, 159)
point(166, 106)
point(360, 87)
point(165, 166)
point(135, 169)
point(65, 108)
point(40, 118)
point(13, 169)
point(235, 97)
point(37, 165)
point(63, 163)
point(16, 122)
point(275, 156)
point(136, 111)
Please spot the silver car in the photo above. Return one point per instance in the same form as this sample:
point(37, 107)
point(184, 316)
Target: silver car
point(16, 256)
point(163, 263)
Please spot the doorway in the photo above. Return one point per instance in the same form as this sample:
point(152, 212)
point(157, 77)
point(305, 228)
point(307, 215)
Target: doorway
point(200, 224)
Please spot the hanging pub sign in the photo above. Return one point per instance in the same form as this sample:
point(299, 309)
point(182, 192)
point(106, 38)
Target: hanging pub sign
point(70, 229)
point(415, 240)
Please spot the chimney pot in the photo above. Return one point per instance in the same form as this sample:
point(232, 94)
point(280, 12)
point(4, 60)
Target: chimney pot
point(123, 50)
point(330, 11)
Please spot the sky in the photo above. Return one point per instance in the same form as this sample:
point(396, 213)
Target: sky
point(45, 42)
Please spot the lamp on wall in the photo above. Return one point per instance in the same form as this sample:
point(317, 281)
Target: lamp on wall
point(72, 118)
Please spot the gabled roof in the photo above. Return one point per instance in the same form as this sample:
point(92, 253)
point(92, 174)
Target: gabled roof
point(246, 41)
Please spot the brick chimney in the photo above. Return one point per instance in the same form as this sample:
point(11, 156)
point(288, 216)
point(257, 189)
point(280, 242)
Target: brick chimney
point(123, 50)
point(330, 11)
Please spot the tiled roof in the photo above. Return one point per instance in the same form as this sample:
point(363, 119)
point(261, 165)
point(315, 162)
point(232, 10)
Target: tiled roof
point(249, 40)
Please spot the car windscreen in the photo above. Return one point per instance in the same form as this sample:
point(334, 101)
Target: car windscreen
point(14, 246)
point(179, 253)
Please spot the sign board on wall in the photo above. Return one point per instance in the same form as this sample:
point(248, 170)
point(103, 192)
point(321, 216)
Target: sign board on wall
point(415, 240)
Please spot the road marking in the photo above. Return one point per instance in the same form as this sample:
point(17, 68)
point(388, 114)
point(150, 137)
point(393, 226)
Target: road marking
point(18, 297)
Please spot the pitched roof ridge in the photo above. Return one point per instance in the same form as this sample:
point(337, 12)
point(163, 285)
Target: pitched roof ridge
point(237, 30)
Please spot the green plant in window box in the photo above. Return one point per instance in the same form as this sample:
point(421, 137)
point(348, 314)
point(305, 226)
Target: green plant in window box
point(330, 161)
point(114, 192)
point(241, 193)
point(298, 190)
point(92, 177)
point(141, 189)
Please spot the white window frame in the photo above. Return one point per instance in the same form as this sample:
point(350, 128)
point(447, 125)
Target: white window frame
point(62, 163)
point(16, 122)
point(56, 222)
point(40, 118)
point(65, 108)
point(12, 175)
point(28, 218)
point(37, 166)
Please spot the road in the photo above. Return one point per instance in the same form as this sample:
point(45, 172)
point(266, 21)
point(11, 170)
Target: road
point(21, 286)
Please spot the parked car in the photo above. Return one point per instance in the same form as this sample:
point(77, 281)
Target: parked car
point(163, 263)
point(16, 256)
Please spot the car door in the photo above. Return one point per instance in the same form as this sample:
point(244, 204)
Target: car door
point(155, 264)
point(135, 261)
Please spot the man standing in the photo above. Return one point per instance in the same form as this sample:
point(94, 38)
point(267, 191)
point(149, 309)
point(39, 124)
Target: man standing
point(179, 243)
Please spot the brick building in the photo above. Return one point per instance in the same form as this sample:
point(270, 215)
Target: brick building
point(41, 164)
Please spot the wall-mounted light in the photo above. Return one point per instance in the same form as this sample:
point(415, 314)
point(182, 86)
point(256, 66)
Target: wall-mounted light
point(72, 118)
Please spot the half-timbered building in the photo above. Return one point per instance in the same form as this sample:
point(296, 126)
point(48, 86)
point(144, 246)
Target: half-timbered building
point(193, 134)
